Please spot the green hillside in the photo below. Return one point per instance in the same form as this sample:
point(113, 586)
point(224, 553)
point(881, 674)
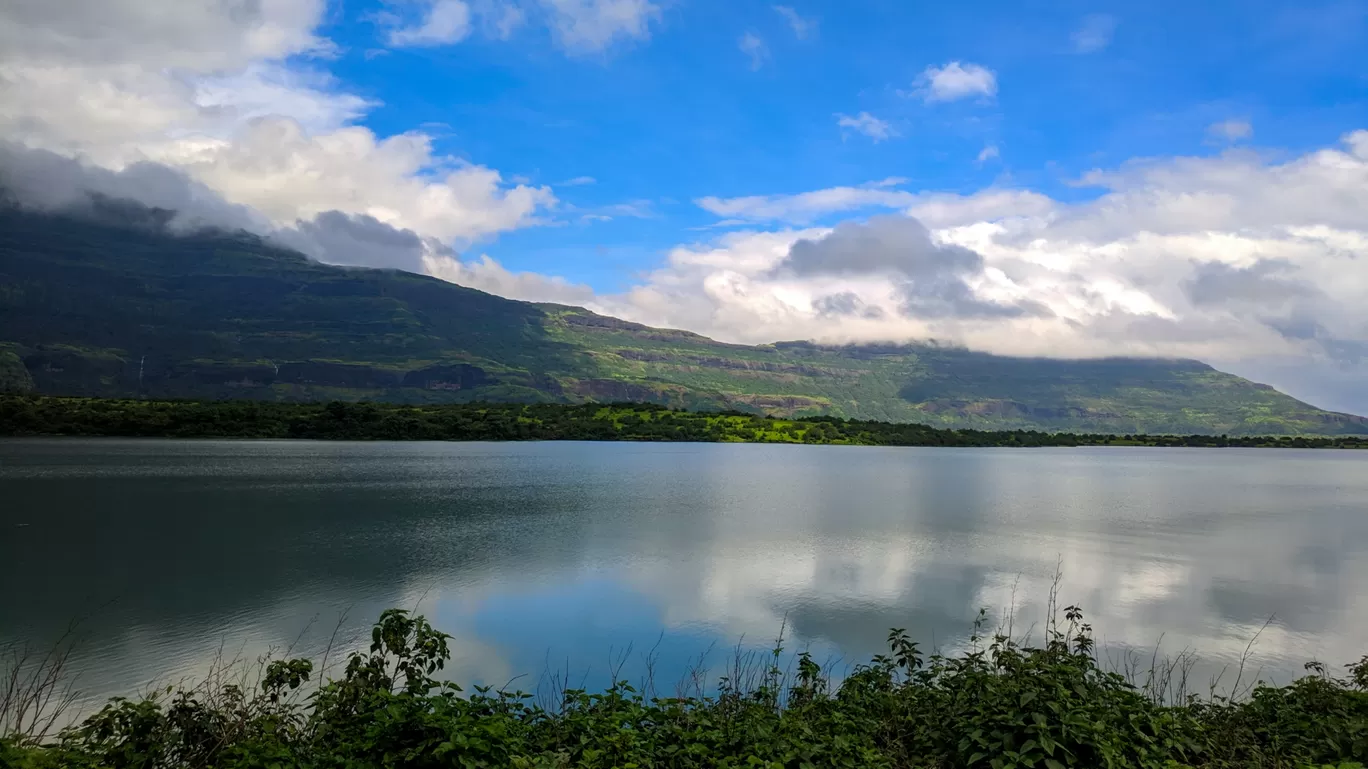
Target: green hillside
point(102, 308)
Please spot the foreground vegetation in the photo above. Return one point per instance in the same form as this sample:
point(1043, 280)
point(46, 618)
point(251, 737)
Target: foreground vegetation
point(997, 705)
point(47, 415)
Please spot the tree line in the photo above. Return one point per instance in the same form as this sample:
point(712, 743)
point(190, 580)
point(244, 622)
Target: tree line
point(33, 415)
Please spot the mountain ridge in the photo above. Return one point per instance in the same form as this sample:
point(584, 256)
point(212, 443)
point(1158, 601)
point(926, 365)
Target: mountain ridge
point(89, 306)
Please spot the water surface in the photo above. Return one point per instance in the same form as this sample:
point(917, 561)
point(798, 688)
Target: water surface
point(564, 555)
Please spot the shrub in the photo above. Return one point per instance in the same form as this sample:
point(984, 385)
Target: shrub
point(999, 705)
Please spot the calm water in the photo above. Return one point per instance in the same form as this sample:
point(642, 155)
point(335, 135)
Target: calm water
point(537, 555)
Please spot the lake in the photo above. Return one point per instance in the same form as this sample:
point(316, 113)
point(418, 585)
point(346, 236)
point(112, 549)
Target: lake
point(575, 557)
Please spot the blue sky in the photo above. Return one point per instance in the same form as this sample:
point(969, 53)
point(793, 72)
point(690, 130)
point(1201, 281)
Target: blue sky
point(1059, 179)
point(661, 122)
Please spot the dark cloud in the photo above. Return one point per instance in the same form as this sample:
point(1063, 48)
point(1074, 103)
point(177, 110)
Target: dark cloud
point(356, 240)
point(1301, 328)
point(1329, 384)
point(1347, 351)
point(1286, 304)
point(1266, 282)
point(1122, 327)
point(1296, 327)
point(846, 304)
point(50, 182)
point(952, 298)
point(932, 276)
point(898, 244)
point(154, 194)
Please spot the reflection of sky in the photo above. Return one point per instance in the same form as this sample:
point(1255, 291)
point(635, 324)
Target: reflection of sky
point(562, 555)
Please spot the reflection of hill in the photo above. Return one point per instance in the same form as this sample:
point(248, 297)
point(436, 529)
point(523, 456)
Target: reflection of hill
point(175, 531)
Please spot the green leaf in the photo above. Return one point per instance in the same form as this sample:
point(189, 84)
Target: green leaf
point(1048, 744)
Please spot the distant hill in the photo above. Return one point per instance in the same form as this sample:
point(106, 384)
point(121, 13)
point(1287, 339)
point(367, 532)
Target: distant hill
point(119, 307)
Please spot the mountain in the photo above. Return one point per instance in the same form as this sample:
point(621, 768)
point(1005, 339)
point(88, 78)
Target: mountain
point(115, 305)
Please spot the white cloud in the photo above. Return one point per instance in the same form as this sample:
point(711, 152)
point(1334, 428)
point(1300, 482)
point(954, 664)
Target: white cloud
point(591, 26)
point(890, 181)
point(227, 94)
point(867, 124)
point(956, 81)
point(806, 206)
point(499, 18)
point(635, 209)
point(275, 167)
point(803, 27)
point(943, 210)
point(989, 152)
point(579, 181)
point(488, 275)
point(755, 48)
point(937, 209)
point(1232, 130)
point(309, 97)
point(1358, 144)
point(1094, 33)
point(197, 35)
point(631, 209)
point(580, 27)
point(443, 22)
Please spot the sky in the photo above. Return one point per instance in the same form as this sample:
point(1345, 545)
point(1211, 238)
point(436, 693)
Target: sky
point(1059, 179)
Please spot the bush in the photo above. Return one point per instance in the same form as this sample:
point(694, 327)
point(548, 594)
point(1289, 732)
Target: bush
point(999, 705)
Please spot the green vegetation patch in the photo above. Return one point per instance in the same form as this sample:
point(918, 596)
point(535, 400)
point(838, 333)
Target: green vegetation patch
point(998, 705)
point(22, 414)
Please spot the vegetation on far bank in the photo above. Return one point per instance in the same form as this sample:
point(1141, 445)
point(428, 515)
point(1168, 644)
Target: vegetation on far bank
point(49, 415)
point(997, 705)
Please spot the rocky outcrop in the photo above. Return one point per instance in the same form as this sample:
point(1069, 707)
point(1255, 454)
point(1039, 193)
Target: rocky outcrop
point(459, 376)
point(14, 375)
point(778, 405)
point(1010, 410)
point(1338, 419)
point(70, 371)
point(337, 375)
point(617, 390)
point(718, 362)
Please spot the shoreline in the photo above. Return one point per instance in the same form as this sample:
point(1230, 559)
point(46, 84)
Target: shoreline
point(639, 441)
